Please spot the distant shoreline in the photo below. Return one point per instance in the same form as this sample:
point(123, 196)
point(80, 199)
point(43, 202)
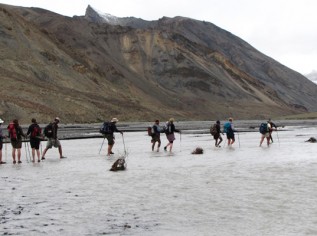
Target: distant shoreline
point(87, 131)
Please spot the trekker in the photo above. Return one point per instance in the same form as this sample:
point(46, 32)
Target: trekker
point(156, 135)
point(1, 142)
point(271, 131)
point(265, 130)
point(15, 132)
point(109, 134)
point(229, 130)
point(169, 131)
point(215, 131)
point(35, 133)
point(50, 132)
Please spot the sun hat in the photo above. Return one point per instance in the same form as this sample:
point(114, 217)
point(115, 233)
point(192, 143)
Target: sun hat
point(171, 120)
point(114, 120)
point(1, 121)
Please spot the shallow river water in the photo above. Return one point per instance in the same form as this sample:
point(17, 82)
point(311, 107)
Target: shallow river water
point(244, 190)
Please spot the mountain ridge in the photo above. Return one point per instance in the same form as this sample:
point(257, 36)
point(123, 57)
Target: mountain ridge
point(85, 70)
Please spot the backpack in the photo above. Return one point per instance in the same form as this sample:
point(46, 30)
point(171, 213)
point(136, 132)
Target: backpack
point(167, 128)
point(106, 128)
point(227, 127)
point(150, 131)
point(12, 131)
point(263, 128)
point(213, 130)
point(48, 130)
point(36, 131)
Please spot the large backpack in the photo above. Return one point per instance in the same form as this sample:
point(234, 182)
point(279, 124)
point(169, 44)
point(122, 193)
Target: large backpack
point(213, 130)
point(48, 130)
point(167, 128)
point(106, 128)
point(36, 131)
point(12, 131)
point(150, 131)
point(263, 128)
point(227, 127)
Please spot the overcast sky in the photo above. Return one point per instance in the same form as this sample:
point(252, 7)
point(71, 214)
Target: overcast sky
point(285, 30)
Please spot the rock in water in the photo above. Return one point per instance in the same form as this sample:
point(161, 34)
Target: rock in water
point(118, 165)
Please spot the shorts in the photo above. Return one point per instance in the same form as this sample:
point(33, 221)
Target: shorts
point(230, 135)
point(110, 138)
point(266, 135)
point(156, 138)
point(53, 142)
point(1, 145)
point(216, 136)
point(35, 143)
point(170, 137)
point(16, 143)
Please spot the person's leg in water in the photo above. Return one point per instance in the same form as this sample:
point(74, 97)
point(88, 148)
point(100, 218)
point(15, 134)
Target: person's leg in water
point(153, 144)
point(110, 149)
point(158, 145)
point(110, 144)
point(268, 140)
point(60, 150)
point(19, 155)
point(271, 137)
point(171, 145)
point(33, 154)
point(38, 155)
point(13, 155)
point(262, 139)
point(220, 140)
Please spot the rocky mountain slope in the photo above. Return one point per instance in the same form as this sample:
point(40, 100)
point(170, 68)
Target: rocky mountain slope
point(87, 69)
point(312, 76)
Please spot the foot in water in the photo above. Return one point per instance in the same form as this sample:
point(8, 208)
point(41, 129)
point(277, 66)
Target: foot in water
point(62, 157)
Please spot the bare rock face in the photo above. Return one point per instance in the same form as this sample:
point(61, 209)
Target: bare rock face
point(91, 68)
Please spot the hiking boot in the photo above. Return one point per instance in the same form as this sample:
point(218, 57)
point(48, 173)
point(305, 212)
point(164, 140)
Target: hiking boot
point(14, 162)
point(165, 148)
point(62, 157)
point(19, 162)
point(43, 158)
point(2, 162)
point(111, 152)
point(38, 160)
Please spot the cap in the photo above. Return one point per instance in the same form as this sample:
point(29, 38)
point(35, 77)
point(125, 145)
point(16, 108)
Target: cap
point(114, 120)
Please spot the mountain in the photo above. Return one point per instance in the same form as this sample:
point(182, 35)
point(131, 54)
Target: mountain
point(312, 76)
point(91, 68)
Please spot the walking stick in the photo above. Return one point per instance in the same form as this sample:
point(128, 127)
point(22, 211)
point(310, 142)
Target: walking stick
point(125, 152)
point(102, 144)
point(278, 138)
point(180, 141)
point(238, 138)
point(6, 153)
point(27, 144)
point(26, 153)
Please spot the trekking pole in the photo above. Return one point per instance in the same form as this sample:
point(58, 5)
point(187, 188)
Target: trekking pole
point(6, 152)
point(26, 153)
point(102, 144)
point(238, 138)
point(125, 152)
point(27, 144)
point(180, 141)
point(41, 148)
point(278, 138)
